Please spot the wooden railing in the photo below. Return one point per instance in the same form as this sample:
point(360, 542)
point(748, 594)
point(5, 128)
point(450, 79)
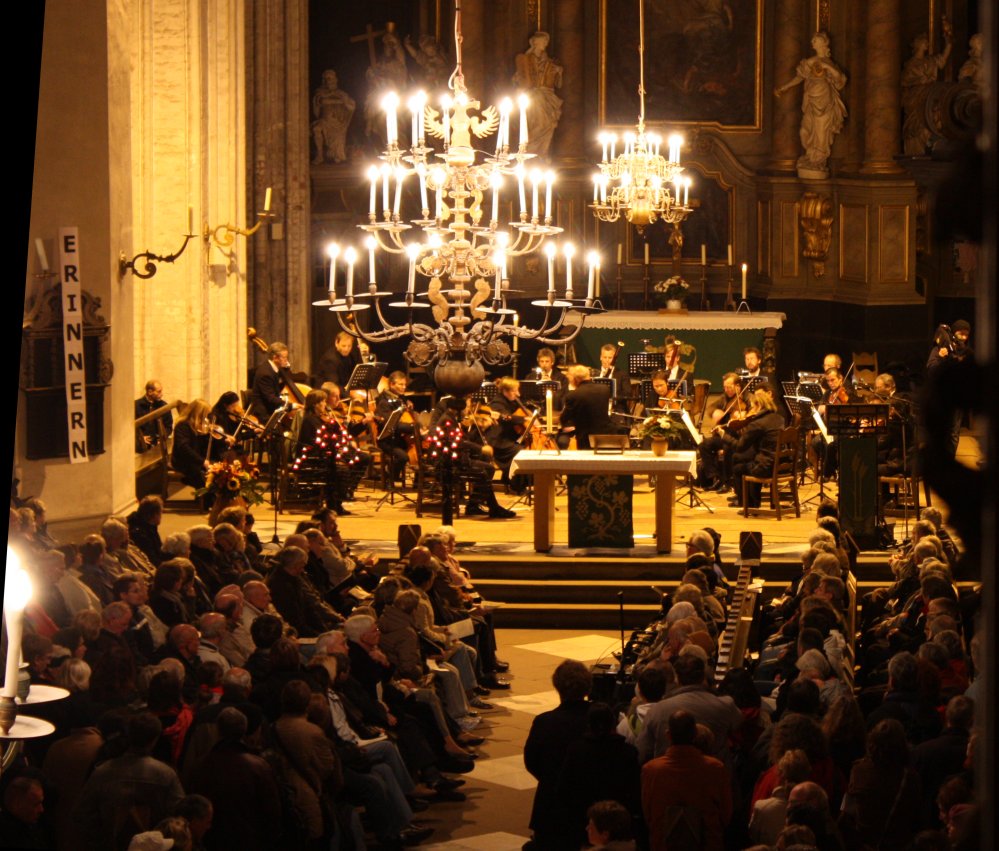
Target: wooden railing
point(155, 460)
point(734, 640)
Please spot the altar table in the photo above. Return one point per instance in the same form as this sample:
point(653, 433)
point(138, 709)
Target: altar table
point(545, 464)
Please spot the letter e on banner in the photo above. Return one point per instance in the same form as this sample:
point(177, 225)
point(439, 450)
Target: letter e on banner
point(72, 343)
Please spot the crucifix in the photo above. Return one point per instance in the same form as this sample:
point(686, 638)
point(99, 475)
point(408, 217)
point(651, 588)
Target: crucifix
point(369, 35)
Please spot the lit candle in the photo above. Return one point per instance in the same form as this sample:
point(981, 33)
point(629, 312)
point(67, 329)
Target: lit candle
point(646, 254)
point(334, 251)
point(523, 101)
point(373, 177)
point(498, 263)
point(548, 411)
point(267, 200)
point(535, 182)
point(503, 137)
point(16, 594)
point(596, 188)
point(704, 254)
point(619, 253)
point(550, 250)
point(421, 102)
point(591, 261)
point(730, 254)
point(613, 143)
point(400, 176)
point(412, 250)
point(686, 191)
point(370, 243)
point(389, 104)
point(42, 256)
point(569, 251)
point(745, 268)
point(603, 189)
point(519, 171)
point(497, 182)
point(350, 255)
point(421, 170)
point(386, 172)
point(549, 181)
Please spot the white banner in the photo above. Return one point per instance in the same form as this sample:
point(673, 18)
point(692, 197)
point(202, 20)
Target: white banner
point(72, 343)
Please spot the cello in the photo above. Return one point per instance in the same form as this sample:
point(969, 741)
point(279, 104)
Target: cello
point(296, 392)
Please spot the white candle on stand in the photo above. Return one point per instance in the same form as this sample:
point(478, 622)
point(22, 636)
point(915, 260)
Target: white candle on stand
point(535, 182)
point(550, 250)
point(334, 251)
point(548, 411)
point(267, 200)
point(400, 176)
point(16, 594)
point(646, 254)
point(386, 173)
point(619, 253)
point(413, 250)
point(498, 263)
point(371, 242)
point(519, 171)
point(569, 251)
point(592, 259)
point(373, 177)
point(42, 256)
point(549, 180)
point(704, 254)
point(422, 172)
point(745, 268)
point(350, 255)
point(730, 254)
point(389, 104)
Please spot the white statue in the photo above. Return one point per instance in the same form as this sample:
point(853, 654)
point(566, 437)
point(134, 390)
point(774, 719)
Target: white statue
point(430, 57)
point(918, 75)
point(333, 109)
point(822, 109)
point(386, 74)
point(539, 75)
point(973, 70)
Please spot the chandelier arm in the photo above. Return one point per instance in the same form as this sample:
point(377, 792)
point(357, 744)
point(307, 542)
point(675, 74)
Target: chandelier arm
point(561, 341)
point(387, 333)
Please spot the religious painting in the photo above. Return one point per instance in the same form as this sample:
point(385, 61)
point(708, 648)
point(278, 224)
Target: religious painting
point(702, 63)
point(709, 224)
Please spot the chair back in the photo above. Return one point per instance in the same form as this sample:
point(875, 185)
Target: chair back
point(786, 454)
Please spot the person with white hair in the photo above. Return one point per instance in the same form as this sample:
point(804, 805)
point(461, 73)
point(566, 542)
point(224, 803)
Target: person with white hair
point(212, 627)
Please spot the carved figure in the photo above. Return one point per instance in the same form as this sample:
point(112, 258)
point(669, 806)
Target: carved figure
point(385, 74)
point(822, 109)
point(539, 75)
point(918, 75)
point(430, 57)
point(973, 70)
point(816, 226)
point(333, 110)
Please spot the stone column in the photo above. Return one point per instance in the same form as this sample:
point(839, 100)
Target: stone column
point(571, 135)
point(882, 106)
point(789, 29)
point(278, 104)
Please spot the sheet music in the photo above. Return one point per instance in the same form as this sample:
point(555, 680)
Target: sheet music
point(821, 425)
point(689, 423)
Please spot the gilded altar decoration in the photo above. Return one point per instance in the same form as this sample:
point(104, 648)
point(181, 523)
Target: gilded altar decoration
point(816, 226)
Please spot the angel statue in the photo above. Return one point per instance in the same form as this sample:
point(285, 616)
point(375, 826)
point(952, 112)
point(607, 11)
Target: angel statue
point(539, 75)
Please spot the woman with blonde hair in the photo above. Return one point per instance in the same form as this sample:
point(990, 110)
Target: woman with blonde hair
point(190, 443)
point(753, 455)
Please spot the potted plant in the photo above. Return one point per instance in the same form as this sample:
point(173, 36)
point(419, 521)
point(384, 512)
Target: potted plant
point(659, 429)
point(672, 292)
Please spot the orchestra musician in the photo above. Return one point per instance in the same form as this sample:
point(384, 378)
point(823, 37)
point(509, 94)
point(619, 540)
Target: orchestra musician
point(714, 449)
point(897, 442)
point(831, 361)
point(474, 461)
point(660, 386)
point(338, 362)
point(326, 448)
point(152, 400)
point(189, 455)
point(546, 371)
point(752, 358)
point(271, 379)
point(506, 436)
point(753, 454)
point(609, 369)
point(585, 411)
point(837, 393)
point(397, 444)
point(237, 426)
point(951, 345)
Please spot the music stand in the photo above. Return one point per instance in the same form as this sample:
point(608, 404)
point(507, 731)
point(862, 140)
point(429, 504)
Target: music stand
point(387, 432)
point(269, 437)
point(366, 376)
point(857, 428)
point(609, 383)
point(804, 409)
point(486, 393)
point(641, 364)
point(812, 389)
point(750, 385)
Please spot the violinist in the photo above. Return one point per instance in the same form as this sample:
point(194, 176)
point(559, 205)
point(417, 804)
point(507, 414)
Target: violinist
point(751, 358)
point(396, 445)
point(951, 345)
point(353, 414)
point(837, 393)
point(189, 455)
point(896, 442)
point(728, 408)
point(326, 450)
point(753, 454)
point(270, 380)
point(474, 462)
point(228, 415)
point(506, 438)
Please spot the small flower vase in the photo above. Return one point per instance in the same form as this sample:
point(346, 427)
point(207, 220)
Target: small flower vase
point(674, 304)
point(659, 446)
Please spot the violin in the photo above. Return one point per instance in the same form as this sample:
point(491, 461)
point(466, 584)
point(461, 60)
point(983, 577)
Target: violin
point(841, 396)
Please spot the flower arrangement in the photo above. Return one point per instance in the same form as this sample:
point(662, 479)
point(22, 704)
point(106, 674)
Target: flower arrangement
point(658, 428)
point(672, 289)
point(229, 479)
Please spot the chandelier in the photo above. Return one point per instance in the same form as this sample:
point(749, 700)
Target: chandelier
point(640, 182)
point(456, 242)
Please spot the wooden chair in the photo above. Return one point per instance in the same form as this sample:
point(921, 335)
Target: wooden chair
point(785, 470)
point(905, 488)
point(702, 389)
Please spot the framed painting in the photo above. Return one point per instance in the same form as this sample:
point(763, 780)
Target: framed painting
point(703, 63)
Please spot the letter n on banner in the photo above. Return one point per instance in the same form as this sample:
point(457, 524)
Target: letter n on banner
point(72, 343)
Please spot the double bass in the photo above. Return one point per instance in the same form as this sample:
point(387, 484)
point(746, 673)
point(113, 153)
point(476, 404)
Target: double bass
point(296, 392)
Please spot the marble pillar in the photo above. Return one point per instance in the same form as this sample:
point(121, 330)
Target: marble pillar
point(572, 136)
point(278, 103)
point(789, 30)
point(882, 111)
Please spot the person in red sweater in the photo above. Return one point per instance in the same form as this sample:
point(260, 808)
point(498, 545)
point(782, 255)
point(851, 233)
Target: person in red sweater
point(686, 796)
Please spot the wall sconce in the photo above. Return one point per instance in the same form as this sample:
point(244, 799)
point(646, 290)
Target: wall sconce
point(149, 267)
point(33, 300)
point(225, 235)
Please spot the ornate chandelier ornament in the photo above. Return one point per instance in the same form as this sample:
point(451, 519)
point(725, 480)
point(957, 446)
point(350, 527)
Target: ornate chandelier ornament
point(451, 244)
point(640, 183)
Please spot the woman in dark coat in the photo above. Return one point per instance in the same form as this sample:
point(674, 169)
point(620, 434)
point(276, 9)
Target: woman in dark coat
point(753, 455)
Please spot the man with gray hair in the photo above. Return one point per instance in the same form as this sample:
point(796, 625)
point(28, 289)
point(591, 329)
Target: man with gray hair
point(230, 552)
point(296, 598)
point(212, 627)
point(236, 643)
point(121, 555)
point(205, 558)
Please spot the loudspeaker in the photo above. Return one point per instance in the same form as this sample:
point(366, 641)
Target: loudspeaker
point(750, 545)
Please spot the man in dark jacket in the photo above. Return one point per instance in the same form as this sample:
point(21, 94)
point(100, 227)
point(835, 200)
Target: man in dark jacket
point(586, 409)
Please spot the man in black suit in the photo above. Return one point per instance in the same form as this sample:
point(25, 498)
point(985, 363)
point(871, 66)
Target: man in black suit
point(149, 434)
point(268, 383)
point(609, 369)
point(547, 371)
point(338, 363)
point(585, 410)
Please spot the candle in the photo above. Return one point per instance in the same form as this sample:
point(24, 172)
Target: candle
point(400, 176)
point(522, 102)
point(498, 263)
point(412, 250)
point(569, 252)
point(190, 219)
point(549, 180)
point(730, 254)
point(596, 188)
point(422, 172)
point(603, 189)
point(334, 251)
point(704, 254)
point(350, 255)
point(42, 256)
point(646, 254)
point(591, 260)
point(389, 104)
point(267, 200)
point(602, 139)
point(686, 191)
point(16, 594)
point(745, 268)
point(386, 171)
point(619, 253)
point(535, 182)
point(370, 242)
point(550, 250)
point(373, 177)
point(613, 144)
point(503, 138)
point(548, 411)
point(516, 339)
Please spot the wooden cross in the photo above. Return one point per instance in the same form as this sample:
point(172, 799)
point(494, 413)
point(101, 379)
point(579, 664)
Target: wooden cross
point(369, 35)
